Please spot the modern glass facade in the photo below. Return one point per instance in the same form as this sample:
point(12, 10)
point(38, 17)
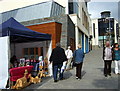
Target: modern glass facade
point(105, 26)
point(73, 7)
point(32, 12)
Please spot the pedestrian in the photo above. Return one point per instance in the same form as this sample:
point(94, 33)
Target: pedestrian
point(13, 61)
point(63, 68)
point(107, 57)
point(69, 55)
point(78, 56)
point(57, 58)
point(116, 58)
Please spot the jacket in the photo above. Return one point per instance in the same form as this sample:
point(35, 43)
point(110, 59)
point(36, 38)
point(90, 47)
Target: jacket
point(58, 56)
point(114, 53)
point(78, 56)
point(104, 53)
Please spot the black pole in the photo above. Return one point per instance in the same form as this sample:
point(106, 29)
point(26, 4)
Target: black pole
point(14, 49)
point(103, 40)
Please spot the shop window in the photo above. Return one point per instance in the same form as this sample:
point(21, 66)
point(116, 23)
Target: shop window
point(26, 54)
point(32, 53)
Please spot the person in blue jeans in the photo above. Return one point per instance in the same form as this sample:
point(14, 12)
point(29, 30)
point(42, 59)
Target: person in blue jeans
point(57, 58)
point(78, 56)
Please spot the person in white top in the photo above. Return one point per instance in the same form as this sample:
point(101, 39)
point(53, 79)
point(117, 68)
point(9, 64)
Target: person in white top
point(69, 55)
point(107, 57)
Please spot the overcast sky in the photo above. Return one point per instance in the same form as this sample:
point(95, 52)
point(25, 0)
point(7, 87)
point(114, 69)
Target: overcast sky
point(95, 7)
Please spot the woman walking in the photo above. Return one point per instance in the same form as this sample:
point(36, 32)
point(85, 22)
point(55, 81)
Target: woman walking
point(116, 58)
point(78, 56)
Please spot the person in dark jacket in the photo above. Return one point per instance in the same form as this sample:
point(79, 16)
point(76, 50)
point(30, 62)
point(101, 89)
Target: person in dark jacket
point(107, 57)
point(57, 58)
point(13, 61)
point(78, 56)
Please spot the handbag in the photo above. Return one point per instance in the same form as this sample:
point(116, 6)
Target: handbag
point(74, 64)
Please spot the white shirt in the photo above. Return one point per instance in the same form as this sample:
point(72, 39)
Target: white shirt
point(69, 53)
point(108, 53)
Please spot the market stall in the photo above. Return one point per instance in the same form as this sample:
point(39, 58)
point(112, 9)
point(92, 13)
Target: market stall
point(13, 39)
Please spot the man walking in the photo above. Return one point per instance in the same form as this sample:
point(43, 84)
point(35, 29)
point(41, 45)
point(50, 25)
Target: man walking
point(78, 56)
point(57, 58)
point(107, 57)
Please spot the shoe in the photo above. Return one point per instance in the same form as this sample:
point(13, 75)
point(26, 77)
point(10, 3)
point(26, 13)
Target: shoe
point(109, 74)
point(76, 77)
point(105, 75)
point(55, 81)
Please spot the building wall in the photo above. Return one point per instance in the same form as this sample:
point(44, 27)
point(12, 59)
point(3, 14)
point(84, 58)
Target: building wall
point(96, 38)
point(119, 34)
point(70, 33)
point(115, 31)
point(68, 29)
point(95, 32)
point(52, 28)
point(39, 10)
point(80, 29)
point(81, 19)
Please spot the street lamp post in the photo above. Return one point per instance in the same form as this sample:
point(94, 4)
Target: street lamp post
point(109, 30)
point(103, 40)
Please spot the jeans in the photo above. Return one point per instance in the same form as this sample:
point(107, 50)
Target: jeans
point(55, 71)
point(107, 67)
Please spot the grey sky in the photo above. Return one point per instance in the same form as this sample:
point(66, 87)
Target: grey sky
point(95, 8)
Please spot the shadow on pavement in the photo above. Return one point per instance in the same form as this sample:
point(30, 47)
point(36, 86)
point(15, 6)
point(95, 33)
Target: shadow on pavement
point(119, 82)
point(102, 69)
point(106, 83)
point(67, 74)
point(83, 73)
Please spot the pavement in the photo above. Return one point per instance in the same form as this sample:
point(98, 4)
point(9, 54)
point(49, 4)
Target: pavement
point(92, 76)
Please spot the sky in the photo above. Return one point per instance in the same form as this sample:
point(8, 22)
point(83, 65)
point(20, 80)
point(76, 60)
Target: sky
point(96, 7)
point(6, 5)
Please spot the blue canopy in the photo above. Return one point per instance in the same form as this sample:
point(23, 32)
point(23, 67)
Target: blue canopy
point(19, 33)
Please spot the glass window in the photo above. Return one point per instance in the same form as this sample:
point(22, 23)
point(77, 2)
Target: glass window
point(33, 53)
point(71, 9)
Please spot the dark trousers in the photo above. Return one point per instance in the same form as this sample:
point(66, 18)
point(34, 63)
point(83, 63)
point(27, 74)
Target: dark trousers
point(78, 70)
point(55, 71)
point(107, 67)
